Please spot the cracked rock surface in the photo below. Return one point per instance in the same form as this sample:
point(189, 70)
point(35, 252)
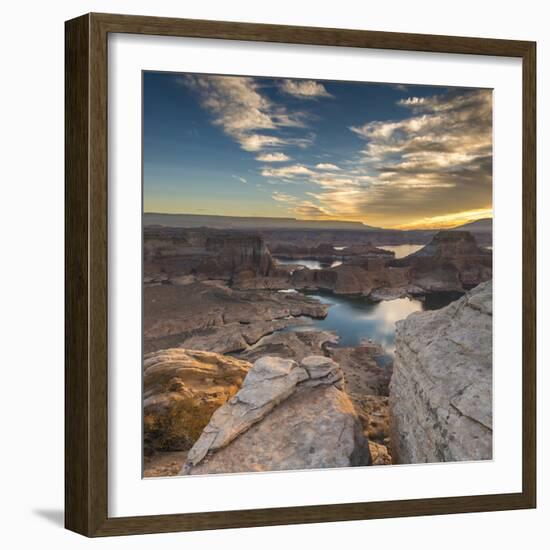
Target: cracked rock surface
point(441, 387)
point(286, 415)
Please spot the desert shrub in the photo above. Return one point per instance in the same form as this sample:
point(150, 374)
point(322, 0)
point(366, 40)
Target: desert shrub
point(179, 427)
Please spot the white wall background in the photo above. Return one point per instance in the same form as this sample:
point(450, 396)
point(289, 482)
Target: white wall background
point(31, 299)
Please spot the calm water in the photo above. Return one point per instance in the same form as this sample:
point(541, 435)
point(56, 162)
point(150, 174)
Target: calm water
point(355, 318)
point(402, 250)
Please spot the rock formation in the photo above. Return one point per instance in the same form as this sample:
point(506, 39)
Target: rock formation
point(171, 253)
point(326, 253)
point(441, 388)
point(451, 261)
point(291, 345)
point(212, 316)
point(181, 390)
point(285, 416)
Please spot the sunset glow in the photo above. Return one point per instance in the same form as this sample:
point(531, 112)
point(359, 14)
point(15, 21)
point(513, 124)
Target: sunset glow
point(407, 157)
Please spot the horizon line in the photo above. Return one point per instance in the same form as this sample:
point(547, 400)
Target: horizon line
point(364, 224)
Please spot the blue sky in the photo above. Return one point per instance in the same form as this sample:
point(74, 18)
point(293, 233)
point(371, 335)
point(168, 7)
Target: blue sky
point(387, 155)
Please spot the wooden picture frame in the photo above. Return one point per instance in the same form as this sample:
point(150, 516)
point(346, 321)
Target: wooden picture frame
point(86, 283)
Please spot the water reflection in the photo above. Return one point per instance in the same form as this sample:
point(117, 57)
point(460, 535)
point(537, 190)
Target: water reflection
point(310, 264)
point(402, 250)
point(355, 318)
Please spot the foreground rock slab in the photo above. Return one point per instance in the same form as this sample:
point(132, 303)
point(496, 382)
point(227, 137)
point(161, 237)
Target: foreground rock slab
point(285, 416)
point(441, 388)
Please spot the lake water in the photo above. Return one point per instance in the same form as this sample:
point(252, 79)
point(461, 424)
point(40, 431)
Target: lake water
point(355, 318)
point(402, 250)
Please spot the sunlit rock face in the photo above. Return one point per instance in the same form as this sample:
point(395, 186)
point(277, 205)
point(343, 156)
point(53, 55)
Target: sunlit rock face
point(181, 390)
point(441, 387)
point(286, 416)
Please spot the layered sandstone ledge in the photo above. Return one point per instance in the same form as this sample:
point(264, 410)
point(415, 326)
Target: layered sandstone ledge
point(441, 387)
point(211, 316)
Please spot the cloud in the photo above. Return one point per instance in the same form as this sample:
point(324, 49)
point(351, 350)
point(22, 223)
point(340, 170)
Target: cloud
point(257, 142)
point(301, 208)
point(243, 112)
point(304, 89)
point(449, 220)
point(435, 160)
point(308, 210)
point(400, 87)
point(284, 197)
point(326, 166)
point(272, 157)
point(287, 171)
point(241, 179)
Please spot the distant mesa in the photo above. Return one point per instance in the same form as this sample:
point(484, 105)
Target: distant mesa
point(449, 244)
point(485, 225)
point(242, 222)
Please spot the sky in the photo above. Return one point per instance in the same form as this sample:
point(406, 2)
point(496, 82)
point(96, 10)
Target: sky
point(394, 156)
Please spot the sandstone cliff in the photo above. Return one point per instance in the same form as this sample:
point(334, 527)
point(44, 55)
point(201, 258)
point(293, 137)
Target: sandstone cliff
point(285, 416)
point(441, 387)
point(171, 253)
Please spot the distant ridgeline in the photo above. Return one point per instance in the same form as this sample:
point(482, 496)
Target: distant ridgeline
point(238, 222)
point(316, 231)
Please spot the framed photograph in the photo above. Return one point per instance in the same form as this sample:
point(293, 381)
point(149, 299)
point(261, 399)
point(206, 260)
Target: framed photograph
point(300, 275)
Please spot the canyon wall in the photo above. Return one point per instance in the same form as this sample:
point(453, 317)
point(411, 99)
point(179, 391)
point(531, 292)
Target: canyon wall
point(441, 387)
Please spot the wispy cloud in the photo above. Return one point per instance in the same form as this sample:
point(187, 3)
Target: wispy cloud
point(244, 112)
point(327, 166)
point(272, 157)
point(285, 197)
point(240, 178)
point(301, 208)
point(304, 89)
point(400, 87)
point(287, 171)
